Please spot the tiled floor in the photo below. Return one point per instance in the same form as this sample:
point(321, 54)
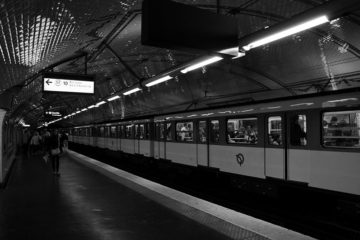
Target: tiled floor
point(83, 204)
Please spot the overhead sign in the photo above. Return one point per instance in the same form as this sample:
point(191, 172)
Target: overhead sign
point(68, 84)
point(54, 114)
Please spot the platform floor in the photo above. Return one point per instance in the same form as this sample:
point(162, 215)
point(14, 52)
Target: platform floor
point(84, 204)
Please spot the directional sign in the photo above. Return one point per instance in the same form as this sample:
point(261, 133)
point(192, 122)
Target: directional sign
point(65, 85)
point(55, 114)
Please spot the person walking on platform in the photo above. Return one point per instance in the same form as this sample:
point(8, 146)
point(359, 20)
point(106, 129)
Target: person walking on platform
point(35, 143)
point(54, 146)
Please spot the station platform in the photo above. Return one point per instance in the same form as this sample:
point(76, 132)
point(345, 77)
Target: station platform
point(92, 200)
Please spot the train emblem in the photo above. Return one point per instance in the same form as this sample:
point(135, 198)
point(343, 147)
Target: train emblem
point(240, 158)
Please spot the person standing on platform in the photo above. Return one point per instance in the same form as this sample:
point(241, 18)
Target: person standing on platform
point(54, 146)
point(63, 141)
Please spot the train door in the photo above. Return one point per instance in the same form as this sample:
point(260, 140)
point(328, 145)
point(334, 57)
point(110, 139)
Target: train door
point(298, 152)
point(113, 138)
point(117, 134)
point(162, 141)
point(275, 147)
point(202, 146)
point(156, 140)
point(136, 139)
point(121, 137)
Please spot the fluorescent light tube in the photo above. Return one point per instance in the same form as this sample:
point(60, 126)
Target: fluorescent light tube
point(290, 31)
point(343, 100)
point(233, 52)
point(113, 98)
point(92, 106)
point(84, 109)
point(132, 91)
point(201, 64)
point(157, 81)
point(100, 103)
point(301, 104)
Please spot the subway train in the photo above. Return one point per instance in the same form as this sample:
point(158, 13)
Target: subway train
point(311, 141)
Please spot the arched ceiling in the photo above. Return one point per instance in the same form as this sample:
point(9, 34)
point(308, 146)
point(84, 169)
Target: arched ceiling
point(36, 35)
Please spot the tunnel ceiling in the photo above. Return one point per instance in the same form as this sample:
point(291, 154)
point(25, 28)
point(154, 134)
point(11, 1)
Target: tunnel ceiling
point(36, 35)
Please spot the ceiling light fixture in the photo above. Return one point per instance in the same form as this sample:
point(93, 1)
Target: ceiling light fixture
point(301, 104)
point(343, 100)
point(113, 98)
point(100, 103)
point(92, 106)
point(287, 32)
point(132, 91)
point(202, 64)
point(233, 52)
point(159, 80)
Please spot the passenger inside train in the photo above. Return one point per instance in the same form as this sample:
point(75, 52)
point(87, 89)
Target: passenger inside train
point(184, 131)
point(242, 131)
point(298, 131)
point(341, 129)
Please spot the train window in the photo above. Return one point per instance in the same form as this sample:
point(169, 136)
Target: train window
point(157, 131)
point(298, 130)
point(147, 130)
point(341, 129)
point(184, 131)
point(214, 131)
point(113, 131)
point(123, 131)
point(168, 132)
point(129, 131)
point(162, 131)
point(118, 132)
point(275, 130)
point(107, 132)
point(202, 131)
point(137, 132)
point(141, 131)
point(101, 132)
point(242, 131)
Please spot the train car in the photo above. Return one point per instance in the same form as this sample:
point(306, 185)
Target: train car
point(143, 137)
point(312, 141)
point(131, 137)
point(315, 141)
point(136, 137)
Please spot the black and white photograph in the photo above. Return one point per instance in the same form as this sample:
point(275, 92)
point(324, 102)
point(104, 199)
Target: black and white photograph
point(179, 119)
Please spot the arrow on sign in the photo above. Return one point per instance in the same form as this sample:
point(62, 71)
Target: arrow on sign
point(48, 82)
